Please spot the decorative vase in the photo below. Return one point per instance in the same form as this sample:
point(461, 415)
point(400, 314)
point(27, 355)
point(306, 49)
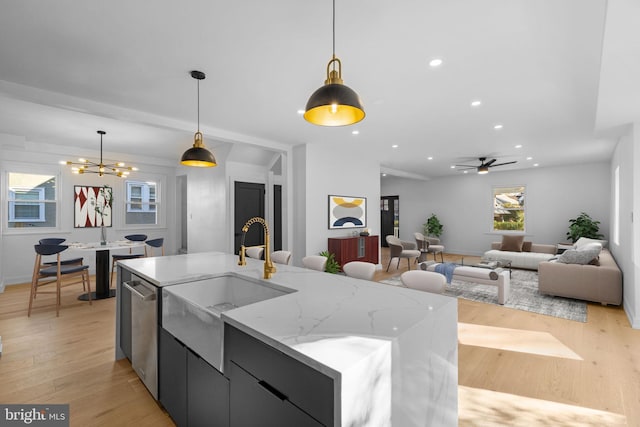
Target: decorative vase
point(103, 235)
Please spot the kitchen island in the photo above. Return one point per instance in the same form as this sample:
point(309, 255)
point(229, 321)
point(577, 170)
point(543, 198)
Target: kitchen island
point(383, 355)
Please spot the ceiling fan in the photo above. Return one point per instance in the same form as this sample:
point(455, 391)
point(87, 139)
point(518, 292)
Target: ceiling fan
point(484, 167)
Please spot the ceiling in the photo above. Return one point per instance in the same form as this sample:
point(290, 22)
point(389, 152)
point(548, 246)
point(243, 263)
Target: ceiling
point(559, 77)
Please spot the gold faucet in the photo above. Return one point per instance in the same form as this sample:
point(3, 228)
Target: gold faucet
point(269, 268)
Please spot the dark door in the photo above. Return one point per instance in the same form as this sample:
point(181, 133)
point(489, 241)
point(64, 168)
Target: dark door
point(389, 217)
point(277, 217)
point(249, 202)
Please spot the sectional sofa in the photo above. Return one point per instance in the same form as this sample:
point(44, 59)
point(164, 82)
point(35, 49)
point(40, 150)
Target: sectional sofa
point(598, 279)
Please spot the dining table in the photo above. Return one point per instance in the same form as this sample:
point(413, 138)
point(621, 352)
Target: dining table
point(103, 251)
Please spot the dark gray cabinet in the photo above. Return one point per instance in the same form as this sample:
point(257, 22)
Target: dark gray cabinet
point(172, 377)
point(193, 392)
point(269, 388)
point(207, 394)
point(125, 321)
point(255, 403)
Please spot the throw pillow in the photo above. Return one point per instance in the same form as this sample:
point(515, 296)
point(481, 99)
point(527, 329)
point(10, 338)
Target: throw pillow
point(585, 241)
point(580, 256)
point(512, 243)
point(526, 246)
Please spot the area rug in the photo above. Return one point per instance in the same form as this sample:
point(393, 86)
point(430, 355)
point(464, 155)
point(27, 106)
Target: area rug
point(524, 295)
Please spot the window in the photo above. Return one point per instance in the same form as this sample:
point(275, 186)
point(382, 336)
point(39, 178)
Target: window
point(508, 209)
point(142, 203)
point(31, 200)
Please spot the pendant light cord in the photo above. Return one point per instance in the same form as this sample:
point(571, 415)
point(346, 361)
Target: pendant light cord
point(100, 149)
point(334, 33)
point(198, 105)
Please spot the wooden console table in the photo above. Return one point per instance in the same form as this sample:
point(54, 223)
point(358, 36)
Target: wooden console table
point(354, 248)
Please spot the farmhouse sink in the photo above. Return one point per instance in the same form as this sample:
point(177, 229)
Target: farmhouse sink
point(191, 311)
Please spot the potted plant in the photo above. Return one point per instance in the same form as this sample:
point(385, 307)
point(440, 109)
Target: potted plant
point(583, 226)
point(433, 227)
point(332, 265)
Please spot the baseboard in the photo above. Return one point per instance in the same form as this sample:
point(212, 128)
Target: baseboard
point(633, 319)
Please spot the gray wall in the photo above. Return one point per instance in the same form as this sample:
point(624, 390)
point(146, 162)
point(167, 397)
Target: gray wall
point(464, 203)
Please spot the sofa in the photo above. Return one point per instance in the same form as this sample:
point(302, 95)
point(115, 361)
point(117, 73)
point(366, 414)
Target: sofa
point(598, 280)
point(522, 254)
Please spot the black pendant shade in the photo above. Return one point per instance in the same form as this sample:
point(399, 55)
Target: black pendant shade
point(198, 155)
point(334, 104)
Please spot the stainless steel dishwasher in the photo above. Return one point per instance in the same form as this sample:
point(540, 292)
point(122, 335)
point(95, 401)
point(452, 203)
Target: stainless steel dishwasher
point(144, 332)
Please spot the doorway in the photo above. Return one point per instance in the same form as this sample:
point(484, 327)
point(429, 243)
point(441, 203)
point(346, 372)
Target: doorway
point(249, 202)
point(389, 217)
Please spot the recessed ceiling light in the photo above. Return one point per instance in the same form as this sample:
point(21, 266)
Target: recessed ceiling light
point(355, 132)
point(476, 103)
point(394, 146)
point(300, 112)
point(435, 62)
point(429, 158)
point(519, 146)
point(465, 172)
point(452, 166)
point(384, 174)
point(529, 158)
point(536, 164)
point(498, 126)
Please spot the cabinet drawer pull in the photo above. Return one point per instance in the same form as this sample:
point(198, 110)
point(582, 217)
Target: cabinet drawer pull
point(273, 390)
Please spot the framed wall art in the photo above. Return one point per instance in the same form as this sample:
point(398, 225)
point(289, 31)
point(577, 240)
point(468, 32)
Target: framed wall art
point(347, 212)
point(92, 206)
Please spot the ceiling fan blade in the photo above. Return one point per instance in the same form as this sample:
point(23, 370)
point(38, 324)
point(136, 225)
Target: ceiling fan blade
point(506, 163)
point(490, 162)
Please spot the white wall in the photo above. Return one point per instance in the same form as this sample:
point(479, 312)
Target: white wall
point(626, 253)
point(338, 170)
point(463, 203)
point(207, 205)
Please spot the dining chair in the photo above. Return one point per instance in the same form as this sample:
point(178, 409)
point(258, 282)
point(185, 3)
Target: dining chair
point(401, 249)
point(281, 257)
point(315, 262)
point(427, 281)
point(45, 274)
point(153, 244)
point(119, 257)
point(59, 241)
point(254, 252)
point(359, 270)
point(429, 245)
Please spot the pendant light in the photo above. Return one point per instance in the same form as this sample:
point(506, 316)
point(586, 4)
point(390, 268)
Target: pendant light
point(83, 166)
point(334, 104)
point(198, 155)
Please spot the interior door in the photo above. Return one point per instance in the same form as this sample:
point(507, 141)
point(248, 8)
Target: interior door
point(389, 217)
point(249, 202)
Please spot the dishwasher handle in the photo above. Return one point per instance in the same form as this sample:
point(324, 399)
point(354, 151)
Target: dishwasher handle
point(140, 290)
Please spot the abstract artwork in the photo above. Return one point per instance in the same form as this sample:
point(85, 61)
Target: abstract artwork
point(347, 212)
point(92, 206)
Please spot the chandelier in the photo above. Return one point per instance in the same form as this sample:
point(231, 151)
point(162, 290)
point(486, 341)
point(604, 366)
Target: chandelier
point(87, 166)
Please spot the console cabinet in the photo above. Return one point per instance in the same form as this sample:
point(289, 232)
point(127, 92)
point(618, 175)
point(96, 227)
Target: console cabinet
point(355, 248)
point(269, 388)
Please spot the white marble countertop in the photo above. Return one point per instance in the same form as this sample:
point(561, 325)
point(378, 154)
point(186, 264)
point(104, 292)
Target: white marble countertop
point(341, 326)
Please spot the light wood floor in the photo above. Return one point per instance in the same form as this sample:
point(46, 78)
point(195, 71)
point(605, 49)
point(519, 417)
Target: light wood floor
point(515, 368)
